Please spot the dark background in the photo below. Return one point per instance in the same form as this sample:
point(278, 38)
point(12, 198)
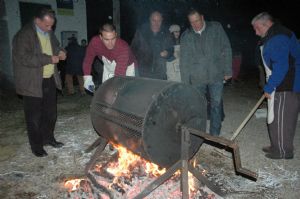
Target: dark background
point(234, 15)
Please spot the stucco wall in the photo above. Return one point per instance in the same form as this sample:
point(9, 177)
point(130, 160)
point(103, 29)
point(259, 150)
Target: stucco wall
point(5, 63)
point(77, 22)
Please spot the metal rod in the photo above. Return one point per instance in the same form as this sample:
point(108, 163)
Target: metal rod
point(185, 145)
point(204, 180)
point(156, 183)
point(227, 143)
point(97, 153)
point(242, 125)
point(94, 145)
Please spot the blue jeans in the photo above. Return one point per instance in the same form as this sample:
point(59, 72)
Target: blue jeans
point(215, 95)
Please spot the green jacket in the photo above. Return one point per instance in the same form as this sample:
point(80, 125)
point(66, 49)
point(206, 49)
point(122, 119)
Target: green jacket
point(205, 58)
point(28, 61)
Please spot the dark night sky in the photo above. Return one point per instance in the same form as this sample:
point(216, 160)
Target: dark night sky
point(237, 13)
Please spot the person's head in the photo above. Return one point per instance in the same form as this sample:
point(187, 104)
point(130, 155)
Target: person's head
point(261, 23)
point(175, 30)
point(196, 19)
point(155, 21)
point(45, 19)
point(72, 41)
point(108, 35)
point(83, 42)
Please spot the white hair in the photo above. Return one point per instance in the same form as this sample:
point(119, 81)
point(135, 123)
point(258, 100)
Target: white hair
point(263, 17)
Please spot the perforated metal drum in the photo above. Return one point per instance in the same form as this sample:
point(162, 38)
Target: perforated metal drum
point(143, 115)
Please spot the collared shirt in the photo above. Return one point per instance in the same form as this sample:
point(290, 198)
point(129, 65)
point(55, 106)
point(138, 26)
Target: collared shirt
point(202, 29)
point(41, 31)
point(48, 70)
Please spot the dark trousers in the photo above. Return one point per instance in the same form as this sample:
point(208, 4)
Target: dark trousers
point(282, 129)
point(40, 115)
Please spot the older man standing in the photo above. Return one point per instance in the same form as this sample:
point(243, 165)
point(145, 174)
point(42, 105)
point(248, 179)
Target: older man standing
point(280, 51)
point(206, 61)
point(35, 55)
point(152, 46)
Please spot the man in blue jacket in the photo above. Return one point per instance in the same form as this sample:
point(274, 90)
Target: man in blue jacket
point(280, 53)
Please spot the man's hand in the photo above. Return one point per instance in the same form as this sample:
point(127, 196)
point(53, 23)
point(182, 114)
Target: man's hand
point(226, 77)
point(62, 55)
point(88, 83)
point(267, 95)
point(164, 53)
point(55, 59)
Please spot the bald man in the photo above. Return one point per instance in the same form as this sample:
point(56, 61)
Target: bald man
point(152, 46)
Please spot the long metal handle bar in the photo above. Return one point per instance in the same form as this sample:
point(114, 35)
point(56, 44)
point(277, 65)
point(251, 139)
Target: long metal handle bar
point(227, 143)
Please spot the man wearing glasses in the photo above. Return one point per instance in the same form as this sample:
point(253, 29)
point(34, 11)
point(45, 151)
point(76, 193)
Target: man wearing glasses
point(115, 53)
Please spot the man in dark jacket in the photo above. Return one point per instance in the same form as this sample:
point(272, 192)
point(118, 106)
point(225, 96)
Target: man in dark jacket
point(35, 55)
point(152, 45)
point(280, 52)
point(74, 63)
point(205, 61)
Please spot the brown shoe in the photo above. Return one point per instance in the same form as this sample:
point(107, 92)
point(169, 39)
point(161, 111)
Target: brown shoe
point(267, 149)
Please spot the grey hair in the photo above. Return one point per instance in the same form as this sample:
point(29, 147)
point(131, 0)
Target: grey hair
point(263, 17)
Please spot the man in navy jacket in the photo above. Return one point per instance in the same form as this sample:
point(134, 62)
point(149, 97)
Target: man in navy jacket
point(280, 51)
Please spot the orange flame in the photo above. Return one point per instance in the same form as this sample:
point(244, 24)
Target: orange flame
point(192, 183)
point(72, 185)
point(127, 164)
point(127, 161)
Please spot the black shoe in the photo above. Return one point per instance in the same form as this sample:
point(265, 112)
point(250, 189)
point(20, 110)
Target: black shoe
point(279, 156)
point(40, 153)
point(54, 144)
point(267, 149)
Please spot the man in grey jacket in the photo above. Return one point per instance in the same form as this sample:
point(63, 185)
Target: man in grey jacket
point(35, 55)
point(205, 61)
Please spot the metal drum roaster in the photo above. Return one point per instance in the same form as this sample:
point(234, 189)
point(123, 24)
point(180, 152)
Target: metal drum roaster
point(144, 116)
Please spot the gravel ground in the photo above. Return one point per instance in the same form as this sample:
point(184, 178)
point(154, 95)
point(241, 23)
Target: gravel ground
point(22, 175)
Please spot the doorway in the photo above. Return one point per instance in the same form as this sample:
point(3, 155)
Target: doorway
point(27, 11)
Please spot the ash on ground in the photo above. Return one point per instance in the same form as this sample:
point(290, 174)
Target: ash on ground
point(24, 176)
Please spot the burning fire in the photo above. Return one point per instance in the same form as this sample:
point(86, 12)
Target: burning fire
point(128, 161)
point(72, 185)
point(127, 166)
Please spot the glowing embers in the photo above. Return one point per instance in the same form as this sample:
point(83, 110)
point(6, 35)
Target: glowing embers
point(72, 185)
point(122, 174)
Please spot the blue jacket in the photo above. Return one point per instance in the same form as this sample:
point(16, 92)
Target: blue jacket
point(281, 53)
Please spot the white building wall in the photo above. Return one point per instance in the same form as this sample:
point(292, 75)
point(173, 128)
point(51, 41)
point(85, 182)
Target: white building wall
point(76, 22)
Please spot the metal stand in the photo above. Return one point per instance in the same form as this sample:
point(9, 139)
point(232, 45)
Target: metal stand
point(100, 143)
point(229, 144)
point(184, 166)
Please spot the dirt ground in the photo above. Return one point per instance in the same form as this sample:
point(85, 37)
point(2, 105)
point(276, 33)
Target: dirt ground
point(24, 176)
